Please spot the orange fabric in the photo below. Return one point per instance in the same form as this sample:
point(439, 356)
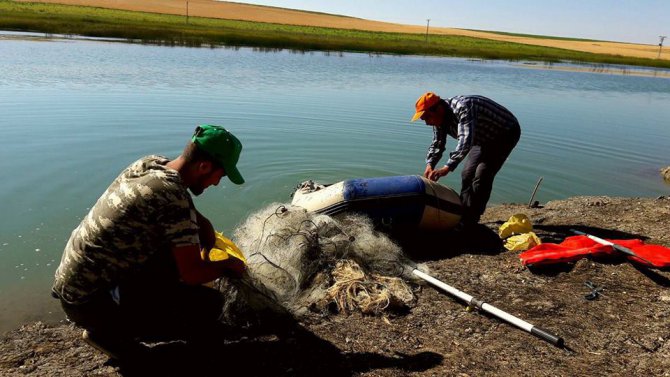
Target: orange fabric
point(577, 247)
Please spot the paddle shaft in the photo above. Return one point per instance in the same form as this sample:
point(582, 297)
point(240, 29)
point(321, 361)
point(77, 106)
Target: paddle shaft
point(473, 302)
point(537, 185)
point(616, 247)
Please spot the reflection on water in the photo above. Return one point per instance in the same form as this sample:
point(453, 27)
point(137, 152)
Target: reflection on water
point(76, 112)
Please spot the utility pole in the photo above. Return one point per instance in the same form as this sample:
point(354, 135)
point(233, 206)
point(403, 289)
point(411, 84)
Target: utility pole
point(427, 24)
point(660, 45)
point(186, 11)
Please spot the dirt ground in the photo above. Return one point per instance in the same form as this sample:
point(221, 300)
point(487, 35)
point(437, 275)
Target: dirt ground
point(238, 11)
point(624, 332)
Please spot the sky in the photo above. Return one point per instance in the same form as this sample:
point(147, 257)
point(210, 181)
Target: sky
point(640, 21)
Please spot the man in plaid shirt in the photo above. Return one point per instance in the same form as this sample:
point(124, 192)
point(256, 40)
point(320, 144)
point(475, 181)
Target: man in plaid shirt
point(483, 129)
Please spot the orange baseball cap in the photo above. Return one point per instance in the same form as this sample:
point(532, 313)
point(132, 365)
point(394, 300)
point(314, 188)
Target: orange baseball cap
point(425, 102)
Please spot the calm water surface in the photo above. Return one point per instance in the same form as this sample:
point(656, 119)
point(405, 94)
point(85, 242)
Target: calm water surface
point(73, 114)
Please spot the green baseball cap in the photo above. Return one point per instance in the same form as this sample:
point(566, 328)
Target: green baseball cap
point(222, 146)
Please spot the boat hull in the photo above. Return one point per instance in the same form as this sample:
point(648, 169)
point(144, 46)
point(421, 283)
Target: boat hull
point(398, 201)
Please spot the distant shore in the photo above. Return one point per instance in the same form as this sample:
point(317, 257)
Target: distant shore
point(212, 23)
point(274, 15)
point(596, 68)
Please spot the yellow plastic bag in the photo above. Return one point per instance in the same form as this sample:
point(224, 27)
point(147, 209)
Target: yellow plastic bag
point(517, 224)
point(522, 242)
point(223, 249)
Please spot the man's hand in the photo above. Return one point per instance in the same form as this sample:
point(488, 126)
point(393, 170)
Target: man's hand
point(234, 267)
point(429, 170)
point(194, 270)
point(437, 174)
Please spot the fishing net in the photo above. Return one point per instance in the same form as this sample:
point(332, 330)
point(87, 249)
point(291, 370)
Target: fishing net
point(370, 293)
point(301, 262)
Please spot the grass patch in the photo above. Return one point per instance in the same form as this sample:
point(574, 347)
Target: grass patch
point(174, 30)
point(536, 36)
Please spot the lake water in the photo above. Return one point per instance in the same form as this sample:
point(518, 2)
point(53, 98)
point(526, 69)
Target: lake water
point(73, 114)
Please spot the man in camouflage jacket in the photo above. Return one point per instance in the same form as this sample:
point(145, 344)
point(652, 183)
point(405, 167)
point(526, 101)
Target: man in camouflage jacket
point(133, 266)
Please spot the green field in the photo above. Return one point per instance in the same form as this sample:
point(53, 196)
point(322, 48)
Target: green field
point(196, 31)
point(537, 36)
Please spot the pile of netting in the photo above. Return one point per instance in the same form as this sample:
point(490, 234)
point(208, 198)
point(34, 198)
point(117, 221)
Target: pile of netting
point(302, 262)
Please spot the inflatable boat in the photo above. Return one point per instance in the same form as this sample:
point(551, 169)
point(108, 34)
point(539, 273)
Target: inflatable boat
point(399, 201)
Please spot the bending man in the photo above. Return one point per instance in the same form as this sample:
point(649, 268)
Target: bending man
point(132, 267)
point(484, 130)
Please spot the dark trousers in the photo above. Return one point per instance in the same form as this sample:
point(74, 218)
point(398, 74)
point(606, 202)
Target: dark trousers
point(479, 171)
point(151, 310)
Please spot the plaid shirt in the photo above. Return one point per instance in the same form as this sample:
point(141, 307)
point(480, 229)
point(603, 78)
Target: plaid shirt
point(477, 121)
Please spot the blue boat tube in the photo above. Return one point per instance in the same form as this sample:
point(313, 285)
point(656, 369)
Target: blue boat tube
point(398, 201)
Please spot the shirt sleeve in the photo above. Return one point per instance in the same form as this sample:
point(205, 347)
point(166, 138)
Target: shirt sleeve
point(465, 115)
point(437, 147)
point(178, 219)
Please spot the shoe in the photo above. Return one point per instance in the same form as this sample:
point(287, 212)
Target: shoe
point(116, 348)
point(464, 227)
point(92, 340)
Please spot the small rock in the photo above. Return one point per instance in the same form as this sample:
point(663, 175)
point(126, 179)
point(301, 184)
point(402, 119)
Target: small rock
point(665, 298)
point(665, 172)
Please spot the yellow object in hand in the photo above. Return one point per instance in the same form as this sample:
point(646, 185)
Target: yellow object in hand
point(223, 249)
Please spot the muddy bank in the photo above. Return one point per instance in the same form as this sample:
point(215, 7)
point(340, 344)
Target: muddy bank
point(626, 331)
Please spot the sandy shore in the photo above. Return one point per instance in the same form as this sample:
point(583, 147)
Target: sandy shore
point(236, 11)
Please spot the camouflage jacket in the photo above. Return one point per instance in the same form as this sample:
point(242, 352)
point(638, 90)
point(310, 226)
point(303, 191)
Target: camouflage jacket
point(145, 212)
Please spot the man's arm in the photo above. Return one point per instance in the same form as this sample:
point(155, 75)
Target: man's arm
point(436, 147)
point(193, 270)
point(205, 231)
point(428, 172)
point(466, 117)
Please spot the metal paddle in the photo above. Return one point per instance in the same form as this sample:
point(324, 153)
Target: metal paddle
point(616, 247)
point(481, 305)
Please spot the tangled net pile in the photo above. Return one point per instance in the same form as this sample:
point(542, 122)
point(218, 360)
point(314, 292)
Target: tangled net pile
point(308, 262)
